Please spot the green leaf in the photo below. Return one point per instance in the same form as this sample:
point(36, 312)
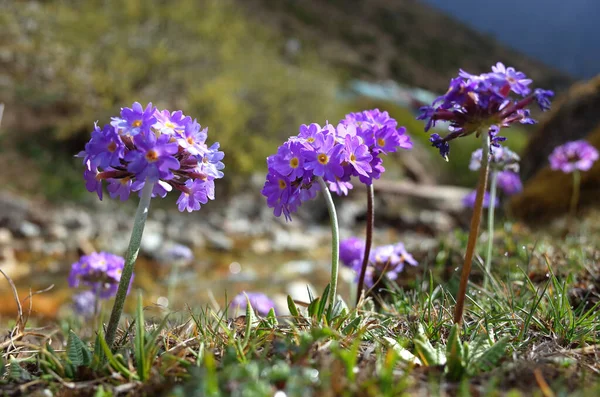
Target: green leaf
point(491, 356)
point(251, 321)
point(455, 364)
point(272, 318)
point(292, 307)
point(17, 373)
point(100, 392)
point(77, 352)
point(428, 355)
point(113, 360)
point(313, 307)
point(323, 302)
point(2, 366)
point(401, 352)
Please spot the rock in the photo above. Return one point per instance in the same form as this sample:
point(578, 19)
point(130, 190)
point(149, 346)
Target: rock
point(293, 269)
point(6, 236)
point(29, 230)
point(219, 241)
point(260, 246)
point(294, 240)
point(13, 211)
point(153, 239)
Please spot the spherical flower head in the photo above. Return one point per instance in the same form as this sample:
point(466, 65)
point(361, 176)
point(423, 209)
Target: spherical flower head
point(509, 182)
point(279, 193)
point(259, 302)
point(84, 303)
point(469, 200)
point(388, 260)
point(357, 155)
point(178, 253)
point(574, 155)
point(135, 120)
point(352, 251)
point(478, 104)
point(166, 149)
point(99, 271)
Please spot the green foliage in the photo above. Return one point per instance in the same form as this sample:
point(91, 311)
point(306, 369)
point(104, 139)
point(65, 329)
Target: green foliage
point(145, 345)
point(76, 62)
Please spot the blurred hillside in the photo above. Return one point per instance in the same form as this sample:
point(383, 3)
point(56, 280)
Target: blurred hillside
point(250, 70)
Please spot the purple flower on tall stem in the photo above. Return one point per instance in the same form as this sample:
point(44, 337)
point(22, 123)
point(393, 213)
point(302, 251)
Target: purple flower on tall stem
point(99, 271)
point(324, 159)
point(469, 200)
point(574, 155)
point(509, 182)
point(84, 303)
point(351, 252)
point(135, 120)
point(357, 155)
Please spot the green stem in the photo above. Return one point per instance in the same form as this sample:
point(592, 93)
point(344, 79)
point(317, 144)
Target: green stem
point(575, 194)
point(132, 252)
point(368, 241)
point(474, 229)
point(491, 210)
point(172, 281)
point(335, 242)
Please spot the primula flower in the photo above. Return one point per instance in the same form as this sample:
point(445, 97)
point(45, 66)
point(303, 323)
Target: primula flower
point(509, 182)
point(352, 250)
point(178, 253)
point(469, 200)
point(145, 145)
point(99, 271)
point(385, 260)
point(574, 155)
point(260, 303)
point(483, 104)
point(353, 148)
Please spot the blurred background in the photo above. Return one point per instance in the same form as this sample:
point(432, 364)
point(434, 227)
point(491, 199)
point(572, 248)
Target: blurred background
point(252, 71)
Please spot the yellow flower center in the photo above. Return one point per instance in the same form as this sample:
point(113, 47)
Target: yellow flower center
point(170, 125)
point(352, 157)
point(190, 140)
point(381, 142)
point(151, 156)
point(282, 184)
point(311, 139)
point(323, 159)
point(136, 123)
point(294, 162)
point(112, 147)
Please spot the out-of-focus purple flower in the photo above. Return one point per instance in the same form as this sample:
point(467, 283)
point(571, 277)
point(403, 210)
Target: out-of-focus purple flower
point(509, 182)
point(336, 153)
point(178, 253)
point(166, 149)
point(482, 104)
point(388, 260)
point(259, 301)
point(101, 271)
point(574, 155)
point(469, 200)
point(501, 159)
point(352, 250)
point(84, 303)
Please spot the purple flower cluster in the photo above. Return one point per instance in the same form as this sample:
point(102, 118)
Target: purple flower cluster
point(335, 153)
point(574, 155)
point(167, 149)
point(100, 271)
point(84, 303)
point(483, 103)
point(388, 260)
point(259, 301)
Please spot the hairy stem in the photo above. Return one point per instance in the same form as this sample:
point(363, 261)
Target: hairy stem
point(491, 210)
point(474, 229)
point(335, 242)
point(368, 241)
point(132, 252)
point(574, 197)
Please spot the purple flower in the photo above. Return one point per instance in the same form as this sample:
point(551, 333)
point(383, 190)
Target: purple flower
point(166, 149)
point(352, 250)
point(178, 253)
point(260, 303)
point(482, 104)
point(388, 260)
point(357, 155)
point(135, 120)
point(99, 271)
point(469, 200)
point(509, 182)
point(574, 155)
point(324, 159)
point(84, 303)
point(335, 153)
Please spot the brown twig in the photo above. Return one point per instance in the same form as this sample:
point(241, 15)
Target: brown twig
point(20, 326)
point(474, 230)
point(368, 241)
